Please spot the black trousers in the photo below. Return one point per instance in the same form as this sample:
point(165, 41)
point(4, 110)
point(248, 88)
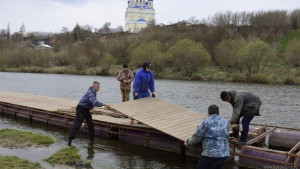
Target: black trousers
point(211, 162)
point(81, 114)
point(245, 124)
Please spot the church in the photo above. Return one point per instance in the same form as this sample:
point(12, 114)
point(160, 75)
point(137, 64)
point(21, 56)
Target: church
point(139, 14)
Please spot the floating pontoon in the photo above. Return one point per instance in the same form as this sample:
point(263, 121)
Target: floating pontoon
point(161, 125)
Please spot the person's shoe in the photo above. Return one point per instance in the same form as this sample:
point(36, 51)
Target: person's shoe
point(234, 134)
point(91, 142)
point(243, 141)
point(69, 142)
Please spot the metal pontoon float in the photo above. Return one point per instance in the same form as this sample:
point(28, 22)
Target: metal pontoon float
point(162, 126)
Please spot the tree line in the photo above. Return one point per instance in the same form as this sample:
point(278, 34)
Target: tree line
point(246, 42)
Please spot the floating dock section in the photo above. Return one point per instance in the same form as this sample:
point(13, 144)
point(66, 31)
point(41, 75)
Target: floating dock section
point(161, 125)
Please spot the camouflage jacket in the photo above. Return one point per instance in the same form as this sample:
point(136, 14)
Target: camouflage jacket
point(125, 75)
point(214, 134)
point(89, 99)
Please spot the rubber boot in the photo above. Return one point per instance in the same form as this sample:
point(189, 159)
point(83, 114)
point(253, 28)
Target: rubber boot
point(69, 142)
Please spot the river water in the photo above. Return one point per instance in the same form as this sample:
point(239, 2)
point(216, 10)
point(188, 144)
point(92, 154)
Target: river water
point(280, 106)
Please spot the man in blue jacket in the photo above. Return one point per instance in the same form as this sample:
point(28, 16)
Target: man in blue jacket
point(87, 103)
point(144, 80)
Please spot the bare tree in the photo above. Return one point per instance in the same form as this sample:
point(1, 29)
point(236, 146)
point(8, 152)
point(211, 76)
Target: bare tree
point(105, 28)
point(64, 30)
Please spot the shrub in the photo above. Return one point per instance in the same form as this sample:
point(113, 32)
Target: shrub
point(197, 77)
point(259, 78)
point(103, 71)
point(298, 81)
point(292, 52)
point(189, 56)
point(226, 52)
point(145, 52)
point(239, 78)
point(108, 60)
point(256, 56)
point(289, 80)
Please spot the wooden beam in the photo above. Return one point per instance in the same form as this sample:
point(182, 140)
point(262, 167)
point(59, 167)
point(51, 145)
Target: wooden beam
point(260, 136)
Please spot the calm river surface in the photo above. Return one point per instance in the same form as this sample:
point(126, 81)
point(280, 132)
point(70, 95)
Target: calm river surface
point(280, 106)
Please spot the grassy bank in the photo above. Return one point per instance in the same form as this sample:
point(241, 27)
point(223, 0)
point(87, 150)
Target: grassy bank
point(20, 139)
point(276, 73)
point(66, 156)
point(13, 162)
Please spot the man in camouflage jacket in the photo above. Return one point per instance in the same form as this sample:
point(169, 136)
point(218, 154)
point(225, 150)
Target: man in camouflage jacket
point(125, 76)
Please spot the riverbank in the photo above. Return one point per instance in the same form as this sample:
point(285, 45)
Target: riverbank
point(277, 73)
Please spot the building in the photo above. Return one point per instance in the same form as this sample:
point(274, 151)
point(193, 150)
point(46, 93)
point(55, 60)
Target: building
point(110, 30)
point(42, 45)
point(139, 14)
point(23, 31)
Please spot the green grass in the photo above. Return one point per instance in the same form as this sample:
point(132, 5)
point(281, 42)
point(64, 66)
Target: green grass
point(294, 35)
point(65, 156)
point(13, 162)
point(20, 139)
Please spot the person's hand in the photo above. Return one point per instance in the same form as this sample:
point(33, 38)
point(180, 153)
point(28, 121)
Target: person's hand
point(136, 96)
point(125, 81)
point(186, 143)
point(123, 77)
point(153, 94)
point(107, 105)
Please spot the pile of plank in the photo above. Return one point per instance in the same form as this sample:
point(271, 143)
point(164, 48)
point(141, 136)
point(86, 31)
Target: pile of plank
point(95, 111)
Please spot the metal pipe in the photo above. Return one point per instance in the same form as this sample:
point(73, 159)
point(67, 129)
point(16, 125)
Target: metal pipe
point(260, 136)
point(288, 128)
point(266, 160)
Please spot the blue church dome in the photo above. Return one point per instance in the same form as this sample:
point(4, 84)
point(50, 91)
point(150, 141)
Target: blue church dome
point(141, 20)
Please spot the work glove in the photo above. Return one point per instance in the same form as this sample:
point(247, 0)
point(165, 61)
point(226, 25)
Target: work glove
point(153, 95)
point(136, 97)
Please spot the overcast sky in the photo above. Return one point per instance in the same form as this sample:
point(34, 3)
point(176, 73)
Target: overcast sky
point(52, 15)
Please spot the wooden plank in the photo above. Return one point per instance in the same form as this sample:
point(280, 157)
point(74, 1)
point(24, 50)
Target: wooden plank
point(166, 117)
point(171, 119)
point(169, 113)
point(133, 112)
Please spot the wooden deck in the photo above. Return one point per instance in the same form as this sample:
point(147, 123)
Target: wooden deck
point(154, 113)
point(64, 106)
point(37, 102)
point(171, 119)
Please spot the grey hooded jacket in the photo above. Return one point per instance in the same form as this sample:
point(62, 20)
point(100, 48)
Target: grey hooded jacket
point(244, 103)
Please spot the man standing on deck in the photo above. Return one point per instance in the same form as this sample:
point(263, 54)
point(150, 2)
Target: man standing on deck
point(144, 80)
point(214, 133)
point(125, 77)
point(87, 103)
point(244, 105)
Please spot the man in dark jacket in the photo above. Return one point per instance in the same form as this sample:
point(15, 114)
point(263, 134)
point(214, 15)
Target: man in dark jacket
point(144, 80)
point(244, 105)
point(87, 103)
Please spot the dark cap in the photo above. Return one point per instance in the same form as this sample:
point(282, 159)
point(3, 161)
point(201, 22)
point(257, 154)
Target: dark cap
point(146, 64)
point(125, 65)
point(224, 95)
